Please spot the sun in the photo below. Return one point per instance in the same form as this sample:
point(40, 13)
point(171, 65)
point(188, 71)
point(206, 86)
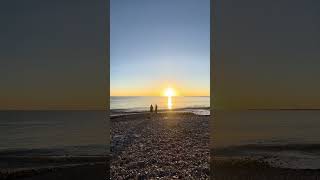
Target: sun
point(169, 92)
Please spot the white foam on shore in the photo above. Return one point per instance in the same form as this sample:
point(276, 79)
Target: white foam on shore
point(201, 112)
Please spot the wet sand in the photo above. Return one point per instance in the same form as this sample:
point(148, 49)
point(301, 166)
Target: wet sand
point(168, 145)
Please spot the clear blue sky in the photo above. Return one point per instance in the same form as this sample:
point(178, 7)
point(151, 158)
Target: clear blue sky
point(156, 43)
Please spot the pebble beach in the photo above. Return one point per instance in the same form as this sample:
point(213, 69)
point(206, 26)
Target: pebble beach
point(167, 145)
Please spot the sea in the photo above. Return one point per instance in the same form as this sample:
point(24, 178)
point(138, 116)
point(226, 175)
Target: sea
point(54, 133)
point(285, 138)
point(120, 105)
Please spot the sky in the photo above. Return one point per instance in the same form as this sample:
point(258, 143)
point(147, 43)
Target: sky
point(267, 54)
point(158, 44)
point(53, 54)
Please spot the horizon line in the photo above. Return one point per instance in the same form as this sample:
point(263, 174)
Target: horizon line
point(159, 96)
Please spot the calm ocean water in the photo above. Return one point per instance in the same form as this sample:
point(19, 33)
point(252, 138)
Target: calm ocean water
point(142, 103)
point(292, 136)
point(53, 133)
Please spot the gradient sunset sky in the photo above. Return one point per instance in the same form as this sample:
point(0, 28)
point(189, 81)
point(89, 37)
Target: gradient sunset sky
point(155, 44)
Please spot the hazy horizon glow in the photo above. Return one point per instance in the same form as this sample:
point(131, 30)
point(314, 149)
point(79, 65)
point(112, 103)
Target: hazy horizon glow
point(160, 44)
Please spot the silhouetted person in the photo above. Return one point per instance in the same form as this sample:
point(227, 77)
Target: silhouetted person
point(156, 109)
point(151, 108)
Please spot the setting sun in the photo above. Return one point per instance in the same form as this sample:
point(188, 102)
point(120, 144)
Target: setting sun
point(169, 92)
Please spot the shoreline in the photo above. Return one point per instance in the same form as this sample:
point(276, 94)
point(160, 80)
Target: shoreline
point(128, 112)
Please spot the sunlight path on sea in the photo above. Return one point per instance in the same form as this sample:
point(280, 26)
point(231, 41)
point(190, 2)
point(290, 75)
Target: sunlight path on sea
point(169, 102)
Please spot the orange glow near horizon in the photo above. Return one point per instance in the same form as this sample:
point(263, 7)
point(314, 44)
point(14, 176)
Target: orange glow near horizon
point(158, 89)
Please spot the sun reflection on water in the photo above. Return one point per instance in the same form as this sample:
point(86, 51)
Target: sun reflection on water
point(169, 102)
